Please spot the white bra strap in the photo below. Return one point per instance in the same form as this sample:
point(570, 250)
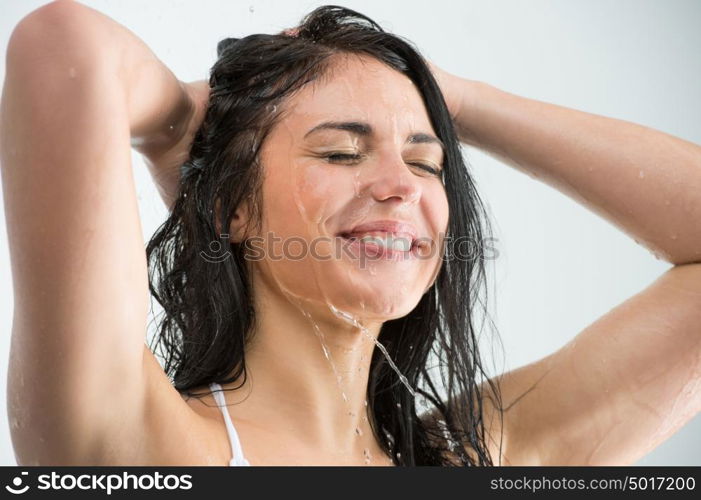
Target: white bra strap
point(237, 452)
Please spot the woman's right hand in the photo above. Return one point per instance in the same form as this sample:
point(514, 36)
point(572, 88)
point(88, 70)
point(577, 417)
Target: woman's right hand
point(164, 162)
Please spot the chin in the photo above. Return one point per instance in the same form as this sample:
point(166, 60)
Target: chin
point(382, 305)
point(377, 297)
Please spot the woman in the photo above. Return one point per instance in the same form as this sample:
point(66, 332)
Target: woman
point(312, 220)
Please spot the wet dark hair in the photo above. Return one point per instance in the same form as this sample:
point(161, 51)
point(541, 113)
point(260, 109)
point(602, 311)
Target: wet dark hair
point(208, 313)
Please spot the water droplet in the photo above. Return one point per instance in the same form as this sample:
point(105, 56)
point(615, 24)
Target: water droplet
point(71, 73)
point(667, 202)
point(366, 454)
point(673, 236)
point(358, 431)
point(399, 406)
point(641, 174)
point(390, 439)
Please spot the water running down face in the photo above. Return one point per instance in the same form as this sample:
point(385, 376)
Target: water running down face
point(354, 158)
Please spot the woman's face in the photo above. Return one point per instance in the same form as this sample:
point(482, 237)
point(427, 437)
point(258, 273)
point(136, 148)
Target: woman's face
point(328, 223)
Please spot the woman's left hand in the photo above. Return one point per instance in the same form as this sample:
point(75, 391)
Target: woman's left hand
point(452, 87)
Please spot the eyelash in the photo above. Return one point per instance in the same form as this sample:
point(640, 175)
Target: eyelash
point(346, 156)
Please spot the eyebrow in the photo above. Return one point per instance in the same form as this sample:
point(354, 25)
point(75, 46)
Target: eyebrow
point(365, 129)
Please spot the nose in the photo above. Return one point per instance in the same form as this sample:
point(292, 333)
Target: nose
point(392, 178)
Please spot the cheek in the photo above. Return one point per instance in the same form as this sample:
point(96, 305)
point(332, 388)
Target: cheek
point(436, 208)
point(315, 192)
point(299, 197)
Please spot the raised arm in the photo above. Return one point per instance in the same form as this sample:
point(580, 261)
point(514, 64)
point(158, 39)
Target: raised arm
point(646, 182)
point(79, 89)
point(631, 378)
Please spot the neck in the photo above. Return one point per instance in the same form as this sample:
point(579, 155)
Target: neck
point(314, 366)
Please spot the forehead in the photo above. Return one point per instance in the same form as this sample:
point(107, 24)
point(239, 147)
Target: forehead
point(363, 89)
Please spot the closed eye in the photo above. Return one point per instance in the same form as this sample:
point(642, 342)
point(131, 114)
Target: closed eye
point(345, 157)
point(334, 157)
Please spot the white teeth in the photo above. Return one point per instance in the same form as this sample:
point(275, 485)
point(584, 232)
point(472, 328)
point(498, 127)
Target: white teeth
point(401, 244)
point(398, 244)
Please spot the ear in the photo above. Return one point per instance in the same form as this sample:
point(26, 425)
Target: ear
point(237, 228)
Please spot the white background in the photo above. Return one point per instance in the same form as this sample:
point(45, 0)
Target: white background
point(560, 267)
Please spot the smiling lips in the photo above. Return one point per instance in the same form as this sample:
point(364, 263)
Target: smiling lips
point(384, 238)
